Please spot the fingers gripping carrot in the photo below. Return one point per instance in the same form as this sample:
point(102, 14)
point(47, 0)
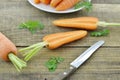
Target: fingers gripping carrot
point(8, 52)
point(88, 23)
point(53, 41)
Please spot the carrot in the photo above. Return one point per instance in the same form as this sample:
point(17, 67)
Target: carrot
point(78, 19)
point(53, 41)
point(45, 1)
point(54, 3)
point(36, 1)
point(56, 35)
point(8, 52)
point(66, 4)
point(82, 25)
point(64, 38)
point(88, 23)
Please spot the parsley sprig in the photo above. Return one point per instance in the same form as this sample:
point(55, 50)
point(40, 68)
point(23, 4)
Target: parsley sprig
point(32, 26)
point(104, 32)
point(85, 3)
point(52, 63)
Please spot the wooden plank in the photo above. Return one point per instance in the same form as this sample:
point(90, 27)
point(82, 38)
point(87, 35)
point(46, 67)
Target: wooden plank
point(93, 1)
point(13, 13)
point(103, 64)
point(106, 1)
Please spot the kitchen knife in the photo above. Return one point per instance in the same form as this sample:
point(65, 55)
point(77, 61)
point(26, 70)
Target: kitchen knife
point(79, 61)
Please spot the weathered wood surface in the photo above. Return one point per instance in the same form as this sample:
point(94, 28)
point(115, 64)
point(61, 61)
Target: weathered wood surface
point(15, 12)
point(103, 65)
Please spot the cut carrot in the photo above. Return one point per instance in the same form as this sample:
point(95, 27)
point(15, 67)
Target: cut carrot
point(8, 52)
point(66, 4)
point(64, 38)
point(53, 41)
point(88, 23)
point(54, 3)
point(56, 35)
point(78, 19)
point(81, 25)
point(36, 1)
point(45, 1)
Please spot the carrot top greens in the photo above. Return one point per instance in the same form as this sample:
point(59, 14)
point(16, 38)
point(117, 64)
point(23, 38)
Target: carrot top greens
point(32, 26)
point(18, 63)
point(87, 4)
point(104, 32)
point(30, 51)
point(52, 63)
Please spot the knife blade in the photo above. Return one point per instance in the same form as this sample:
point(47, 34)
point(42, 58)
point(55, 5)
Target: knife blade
point(79, 61)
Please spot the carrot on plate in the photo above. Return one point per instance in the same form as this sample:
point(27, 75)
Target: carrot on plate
point(53, 41)
point(45, 1)
point(88, 23)
point(66, 4)
point(8, 52)
point(36, 1)
point(54, 3)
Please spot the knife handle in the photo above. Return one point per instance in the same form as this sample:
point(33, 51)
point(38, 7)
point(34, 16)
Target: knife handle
point(66, 73)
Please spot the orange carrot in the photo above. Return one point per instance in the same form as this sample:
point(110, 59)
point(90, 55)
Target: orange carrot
point(88, 23)
point(66, 4)
point(45, 1)
point(36, 1)
point(56, 35)
point(79, 19)
point(8, 52)
point(63, 38)
point(54, 3)
point(54, 41)
point(6, 47)
point(82, 25)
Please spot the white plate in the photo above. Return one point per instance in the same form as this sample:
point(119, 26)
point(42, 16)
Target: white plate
point(47, 8)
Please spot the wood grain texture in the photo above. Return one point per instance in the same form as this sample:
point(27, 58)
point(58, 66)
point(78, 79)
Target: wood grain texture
point(106, 1)
point(103, 65)
point(18, 12)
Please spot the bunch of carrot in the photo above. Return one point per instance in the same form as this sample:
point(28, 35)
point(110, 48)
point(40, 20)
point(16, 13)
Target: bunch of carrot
point(56, 40)
point(8, 52)
point(51, 41)
point(59, 5)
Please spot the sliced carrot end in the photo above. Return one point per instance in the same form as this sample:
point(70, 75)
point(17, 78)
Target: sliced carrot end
point(54, 3)
point(46, 1)
point(66, 4)
point(36, 1)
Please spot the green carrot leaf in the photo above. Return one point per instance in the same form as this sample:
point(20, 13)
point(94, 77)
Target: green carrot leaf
point(87, 4)
point(52, 63)
point(32, 26)
point(59, 59)
point(104, 32)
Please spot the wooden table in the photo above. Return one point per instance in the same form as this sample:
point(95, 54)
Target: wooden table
point(103, 65)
